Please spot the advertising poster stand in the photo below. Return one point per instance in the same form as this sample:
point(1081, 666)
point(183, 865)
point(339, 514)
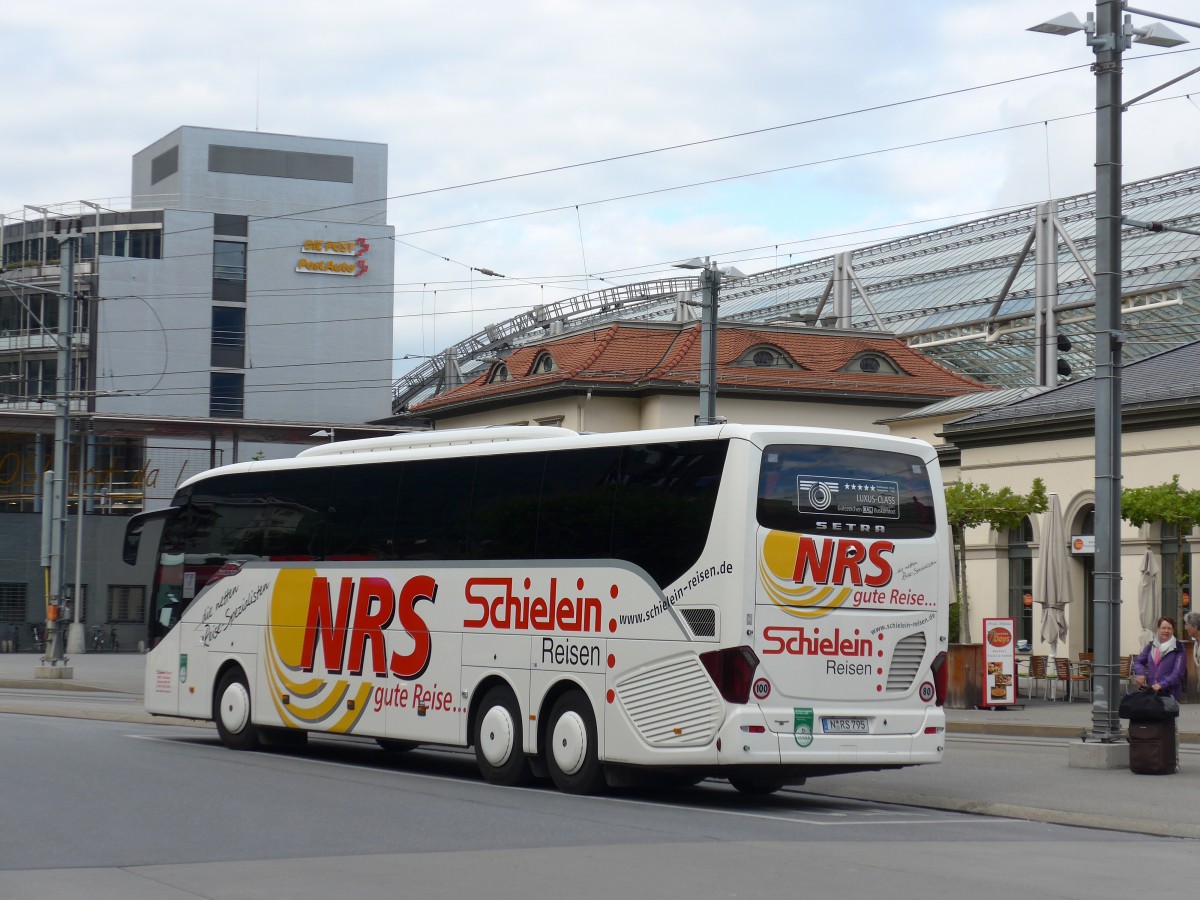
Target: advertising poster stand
point(999, 663)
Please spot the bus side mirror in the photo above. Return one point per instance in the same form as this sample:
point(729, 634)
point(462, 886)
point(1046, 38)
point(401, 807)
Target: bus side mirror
point(129, 552)
point(133, 531)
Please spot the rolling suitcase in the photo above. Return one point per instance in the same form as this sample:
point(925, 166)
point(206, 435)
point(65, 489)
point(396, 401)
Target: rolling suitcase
point(1152, 747)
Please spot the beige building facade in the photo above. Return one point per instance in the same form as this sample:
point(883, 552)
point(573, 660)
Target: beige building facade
point(1050, 436)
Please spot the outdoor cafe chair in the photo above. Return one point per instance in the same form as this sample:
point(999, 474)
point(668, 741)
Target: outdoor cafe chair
point(1069, 676)
point(1037, 672)
point(1126, 672)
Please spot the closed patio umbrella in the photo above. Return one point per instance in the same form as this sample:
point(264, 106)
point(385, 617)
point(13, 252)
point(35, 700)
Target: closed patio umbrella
point(1051, 586)
point(1148, 596)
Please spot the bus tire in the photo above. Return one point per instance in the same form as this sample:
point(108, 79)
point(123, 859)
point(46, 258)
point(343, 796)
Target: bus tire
point(571, 746)
point(232, 712)
point(755, 785)
point(498, 751)
point(393, 746)
point(283, 738)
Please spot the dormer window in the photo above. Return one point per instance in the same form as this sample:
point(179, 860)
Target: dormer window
point(871, 364)
point(498, 374)
point(764, 356)
point(543, 364)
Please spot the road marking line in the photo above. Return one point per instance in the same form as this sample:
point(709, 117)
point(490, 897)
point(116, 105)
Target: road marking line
point(795, 820)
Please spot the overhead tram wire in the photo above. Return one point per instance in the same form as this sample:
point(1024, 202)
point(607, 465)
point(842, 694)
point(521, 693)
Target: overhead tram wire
point(696, 184)
point(869, 280)
point(704, 141)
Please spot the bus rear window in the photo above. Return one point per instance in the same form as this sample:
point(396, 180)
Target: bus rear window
point(819, 489)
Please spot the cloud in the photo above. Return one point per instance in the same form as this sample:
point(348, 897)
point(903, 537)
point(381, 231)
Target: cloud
point(481, 90)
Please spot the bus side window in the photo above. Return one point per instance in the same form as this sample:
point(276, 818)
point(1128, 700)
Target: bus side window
point(364, 505)
point(433, 519)
point(295, 527)
point(504, 505)
point(664, 505)
point(576, 509)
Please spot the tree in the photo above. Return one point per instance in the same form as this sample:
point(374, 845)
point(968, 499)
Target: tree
point(970, 505)
point(1166, 502)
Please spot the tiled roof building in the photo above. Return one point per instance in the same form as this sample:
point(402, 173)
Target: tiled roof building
point(644, 361)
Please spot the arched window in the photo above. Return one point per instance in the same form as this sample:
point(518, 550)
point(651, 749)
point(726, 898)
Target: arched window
point(1020, 579)
point(543, 364)
point(1175, 575)
point(499, 373)
point(871, 364)
point(765, 356)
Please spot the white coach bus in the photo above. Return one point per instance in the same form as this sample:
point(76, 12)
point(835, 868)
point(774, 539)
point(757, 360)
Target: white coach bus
point(756, 603)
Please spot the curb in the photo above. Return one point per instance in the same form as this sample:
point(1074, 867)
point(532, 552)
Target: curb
point(56, 684)
point(1067, 732)
point(137, 718)
point(1010, 811)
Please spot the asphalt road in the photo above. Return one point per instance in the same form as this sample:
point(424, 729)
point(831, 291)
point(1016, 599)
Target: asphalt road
point(103, 809)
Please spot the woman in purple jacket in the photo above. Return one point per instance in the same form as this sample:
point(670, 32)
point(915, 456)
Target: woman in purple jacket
point(1162, 666)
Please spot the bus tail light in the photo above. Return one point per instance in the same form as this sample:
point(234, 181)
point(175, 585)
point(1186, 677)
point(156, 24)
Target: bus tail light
point(732, 671)
point(940, 677)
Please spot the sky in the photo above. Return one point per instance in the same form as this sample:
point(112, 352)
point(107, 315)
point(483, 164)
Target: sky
point(798, 128)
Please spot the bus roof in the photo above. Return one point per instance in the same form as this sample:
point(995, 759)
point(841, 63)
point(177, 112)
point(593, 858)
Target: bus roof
point(496, 440)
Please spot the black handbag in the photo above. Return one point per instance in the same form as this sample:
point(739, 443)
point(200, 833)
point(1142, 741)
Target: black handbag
point(1148, 706)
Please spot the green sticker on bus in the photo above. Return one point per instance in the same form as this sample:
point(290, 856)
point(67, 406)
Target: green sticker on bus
point(802, 726)
point(183, 668)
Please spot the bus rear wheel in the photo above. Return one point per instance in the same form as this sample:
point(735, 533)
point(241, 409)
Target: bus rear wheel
point(498, 751)
point(571, 753)
point(231, 710)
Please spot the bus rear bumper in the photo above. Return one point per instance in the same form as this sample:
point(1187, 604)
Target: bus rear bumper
point(744, 741)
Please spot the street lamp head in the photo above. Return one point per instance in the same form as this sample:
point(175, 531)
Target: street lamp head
point(1158, 35)
point(732, 272)
point(694, 263)
point(1068, 23)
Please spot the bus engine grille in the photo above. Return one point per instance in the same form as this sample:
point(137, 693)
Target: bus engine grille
point(906, 662)
point(673, 704)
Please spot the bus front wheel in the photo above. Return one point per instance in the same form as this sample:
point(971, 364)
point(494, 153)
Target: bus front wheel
point(755, 785)
point(571, 752)
point(231, 710)
point(498, 751)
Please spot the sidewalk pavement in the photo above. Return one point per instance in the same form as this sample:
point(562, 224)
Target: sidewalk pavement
point(1019, 770)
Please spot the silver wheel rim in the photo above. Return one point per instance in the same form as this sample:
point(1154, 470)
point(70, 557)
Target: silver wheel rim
point(496, 736)
point(235, 707)
point(569, 742)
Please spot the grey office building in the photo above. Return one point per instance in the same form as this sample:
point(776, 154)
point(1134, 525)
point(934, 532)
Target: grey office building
point(239, 305)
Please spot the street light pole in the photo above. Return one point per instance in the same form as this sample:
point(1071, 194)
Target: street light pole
point(711, 282)
point(1109, 35)
point(1109, 45)
point(62, 422)
point(710, 286)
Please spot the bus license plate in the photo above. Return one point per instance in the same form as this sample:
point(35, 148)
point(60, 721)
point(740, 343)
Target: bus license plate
point(844, 725)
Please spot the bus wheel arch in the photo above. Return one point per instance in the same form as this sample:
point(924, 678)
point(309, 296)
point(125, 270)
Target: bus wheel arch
point(498, 736)
point(233, 709)
point(571, 749)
